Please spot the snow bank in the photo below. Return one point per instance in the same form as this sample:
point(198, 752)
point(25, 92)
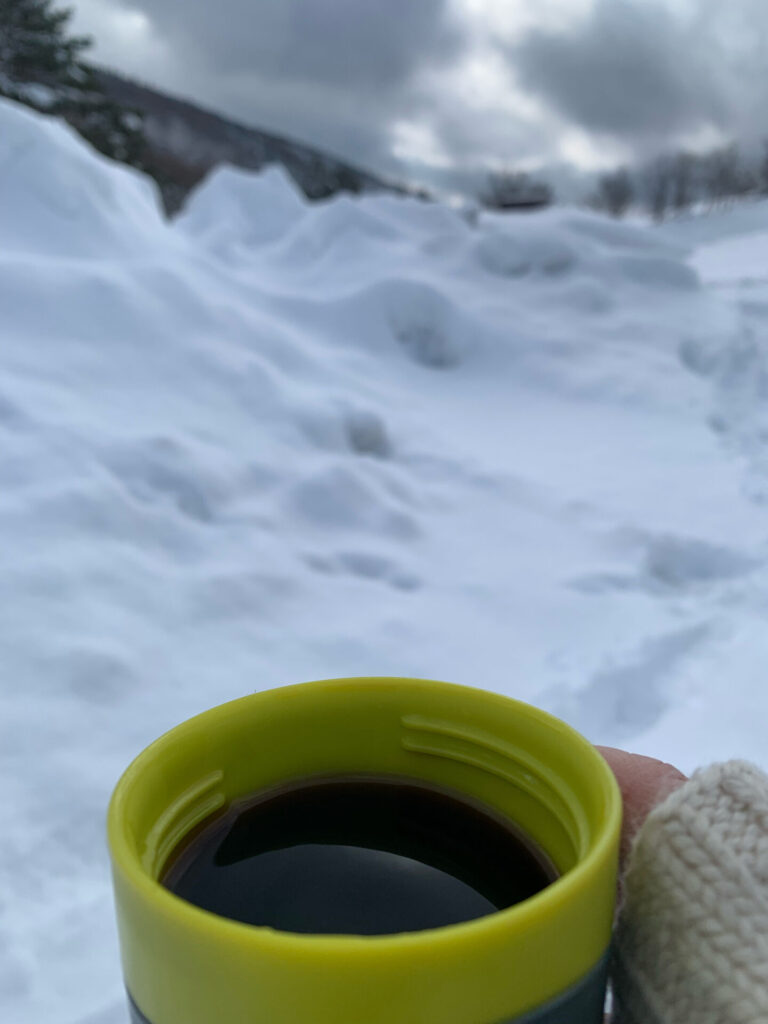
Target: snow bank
point(234, 207)
point(698, 228)
point(83, 205)
point(271, 442)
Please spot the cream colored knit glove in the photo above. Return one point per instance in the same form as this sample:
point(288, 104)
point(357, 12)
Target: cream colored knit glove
point(691, 944)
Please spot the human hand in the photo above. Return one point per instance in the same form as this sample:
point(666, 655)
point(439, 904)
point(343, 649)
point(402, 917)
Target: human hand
point(644, 782)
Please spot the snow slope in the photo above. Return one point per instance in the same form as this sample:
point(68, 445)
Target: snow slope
point(271, 442)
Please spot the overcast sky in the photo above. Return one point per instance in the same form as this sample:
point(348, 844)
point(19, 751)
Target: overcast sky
point(414, 86)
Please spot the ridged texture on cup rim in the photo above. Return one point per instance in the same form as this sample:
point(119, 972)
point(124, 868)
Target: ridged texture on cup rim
point(184, 965)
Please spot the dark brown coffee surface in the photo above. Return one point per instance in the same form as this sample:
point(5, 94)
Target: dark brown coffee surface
point(356, 857)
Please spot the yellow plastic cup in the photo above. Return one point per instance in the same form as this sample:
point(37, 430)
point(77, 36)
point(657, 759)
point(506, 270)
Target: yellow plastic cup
point(542, 960)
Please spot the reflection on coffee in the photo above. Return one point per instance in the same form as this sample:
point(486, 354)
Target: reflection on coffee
point(356, 856)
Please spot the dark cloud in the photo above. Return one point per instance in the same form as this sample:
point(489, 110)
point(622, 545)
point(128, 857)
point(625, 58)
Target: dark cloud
point(320, 116)
point(491, 135)
point(631, 69)
point(336, 74)
point(355, 44)
point(635, 76)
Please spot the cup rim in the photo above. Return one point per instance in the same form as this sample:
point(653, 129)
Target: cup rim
point(548, 899)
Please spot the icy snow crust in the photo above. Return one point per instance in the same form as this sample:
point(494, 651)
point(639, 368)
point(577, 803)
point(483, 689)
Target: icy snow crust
point(273, 442)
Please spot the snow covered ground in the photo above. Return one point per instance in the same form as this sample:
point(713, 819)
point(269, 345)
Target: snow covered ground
point(273, 442)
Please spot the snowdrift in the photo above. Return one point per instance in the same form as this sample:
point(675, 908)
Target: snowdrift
point(269, 442)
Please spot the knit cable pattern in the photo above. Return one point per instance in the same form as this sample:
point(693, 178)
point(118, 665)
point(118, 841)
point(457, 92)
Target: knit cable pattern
point(691, 943)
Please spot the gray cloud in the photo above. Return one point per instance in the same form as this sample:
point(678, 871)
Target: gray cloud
point(635, 75)
point(347, 43)
point(647, 73)
point(629, 69)
point(322, 115)
point(492, 135)
point(333, 73)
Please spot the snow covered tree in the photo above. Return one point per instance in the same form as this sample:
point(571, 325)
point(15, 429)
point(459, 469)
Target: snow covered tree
point(34, 47)
point(683, 180)
point(657, 182)
point(615, 192)
point(513, 190)
point(726, 175)
point(41, 66)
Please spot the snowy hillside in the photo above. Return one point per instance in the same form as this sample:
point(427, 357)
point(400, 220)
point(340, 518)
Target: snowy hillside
point(273, 442)
point(184, 141)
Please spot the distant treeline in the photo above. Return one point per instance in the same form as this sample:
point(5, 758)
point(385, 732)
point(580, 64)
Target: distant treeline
point(675, 182)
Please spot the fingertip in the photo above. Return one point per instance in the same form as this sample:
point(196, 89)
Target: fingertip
point(644, 783)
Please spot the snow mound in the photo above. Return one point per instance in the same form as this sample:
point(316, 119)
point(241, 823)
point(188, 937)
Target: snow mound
point(233, 206)
point(420, 318)
point(704, 227)
point(81, 204)
point(417, 218)
point(523, 252)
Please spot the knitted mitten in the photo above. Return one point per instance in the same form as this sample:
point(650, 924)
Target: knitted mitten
point(691, 944)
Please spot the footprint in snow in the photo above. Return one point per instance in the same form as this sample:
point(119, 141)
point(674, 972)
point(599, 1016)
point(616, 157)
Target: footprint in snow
point(11, 416)
point(96, 676)
point(673, 563)
point(162, 471)
point(365, 565)
point(629, 697)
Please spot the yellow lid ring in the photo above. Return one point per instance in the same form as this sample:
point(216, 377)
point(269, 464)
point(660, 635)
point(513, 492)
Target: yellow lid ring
point(183, 965)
